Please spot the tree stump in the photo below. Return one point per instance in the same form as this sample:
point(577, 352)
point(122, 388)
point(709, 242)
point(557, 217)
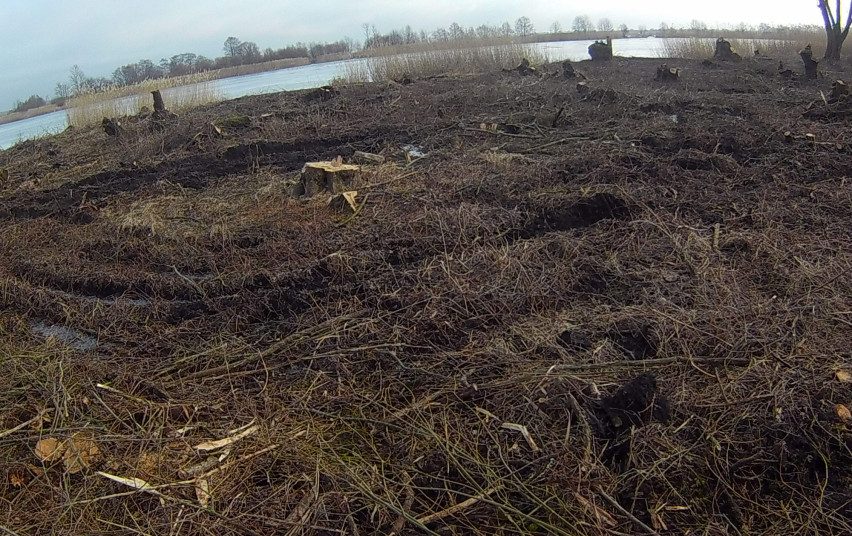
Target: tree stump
point(724, 51)
point(811, 64)
point(159, 105)
point(334, 177)
point(667, 74)
point(839, 91)
point(568, 71)
point(523, 69)
point(112, 127)
point(601, 50)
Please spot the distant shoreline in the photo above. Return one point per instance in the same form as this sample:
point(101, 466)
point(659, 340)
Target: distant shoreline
point(278, 65)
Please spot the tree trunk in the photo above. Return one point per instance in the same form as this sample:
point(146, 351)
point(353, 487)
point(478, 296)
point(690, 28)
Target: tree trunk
point(835, 31)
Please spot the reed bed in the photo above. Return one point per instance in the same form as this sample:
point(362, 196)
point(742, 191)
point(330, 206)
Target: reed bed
point(181, 93)
point(443, 61)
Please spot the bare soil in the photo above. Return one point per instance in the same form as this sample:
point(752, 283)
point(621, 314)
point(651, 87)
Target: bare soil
point(622, 312)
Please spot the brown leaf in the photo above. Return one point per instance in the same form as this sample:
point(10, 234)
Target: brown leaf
point(843, 413)
point(17, 478)
point(844, 376)
point(49, 449)
point(81, 452)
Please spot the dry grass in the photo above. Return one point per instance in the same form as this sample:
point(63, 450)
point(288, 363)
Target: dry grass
point(181, 93)
point(442, 60)
point(702, 48)
point(384, 368)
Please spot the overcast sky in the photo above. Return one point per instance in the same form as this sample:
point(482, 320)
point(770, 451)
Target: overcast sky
point(41, 39)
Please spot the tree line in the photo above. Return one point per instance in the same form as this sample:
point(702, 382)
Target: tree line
point(236, 53)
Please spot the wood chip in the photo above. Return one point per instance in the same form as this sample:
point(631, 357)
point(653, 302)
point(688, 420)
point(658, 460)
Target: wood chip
point(843, 413)
point(202, 492)
point(844, 376)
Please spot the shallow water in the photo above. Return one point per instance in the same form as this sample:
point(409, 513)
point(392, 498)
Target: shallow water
point(70, 337)
point(310, 76)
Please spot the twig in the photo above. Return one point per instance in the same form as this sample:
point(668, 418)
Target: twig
point(11, 431)
point(624, 511)
point(552, 143)
point(431, 518)
point(501, 133)
point(399, 524)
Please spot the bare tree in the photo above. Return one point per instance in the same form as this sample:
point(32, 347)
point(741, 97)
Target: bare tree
point(232, 47)
point(524, 27)
point(835, 31)
point(556, 28)
point(605, 25)
point(583, 24)
point(664, 29)
point(698, 26)
point(78, 80)
point(625, 31)
point(506, 29)
point(62, 91)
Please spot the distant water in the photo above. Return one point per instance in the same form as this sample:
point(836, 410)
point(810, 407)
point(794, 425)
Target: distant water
point(310, 76)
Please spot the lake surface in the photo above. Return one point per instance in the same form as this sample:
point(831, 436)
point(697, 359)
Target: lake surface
point(310, 76)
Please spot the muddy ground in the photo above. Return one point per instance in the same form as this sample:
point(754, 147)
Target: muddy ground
point(624, 310)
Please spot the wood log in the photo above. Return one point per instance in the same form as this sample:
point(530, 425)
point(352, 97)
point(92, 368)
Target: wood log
point(333, 177)
point(367, 158)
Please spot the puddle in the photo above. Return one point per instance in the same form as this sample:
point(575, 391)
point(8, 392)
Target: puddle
point(70, 337)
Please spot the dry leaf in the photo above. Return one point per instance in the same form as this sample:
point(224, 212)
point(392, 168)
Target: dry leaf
point(844, 376)
point(148, 464)
point(843, 413)
point(49, 449)
point(202, 492)
point(81, 452)
point(17, 478)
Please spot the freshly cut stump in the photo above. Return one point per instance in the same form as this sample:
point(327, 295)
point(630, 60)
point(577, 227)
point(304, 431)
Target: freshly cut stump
point(331, 177)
